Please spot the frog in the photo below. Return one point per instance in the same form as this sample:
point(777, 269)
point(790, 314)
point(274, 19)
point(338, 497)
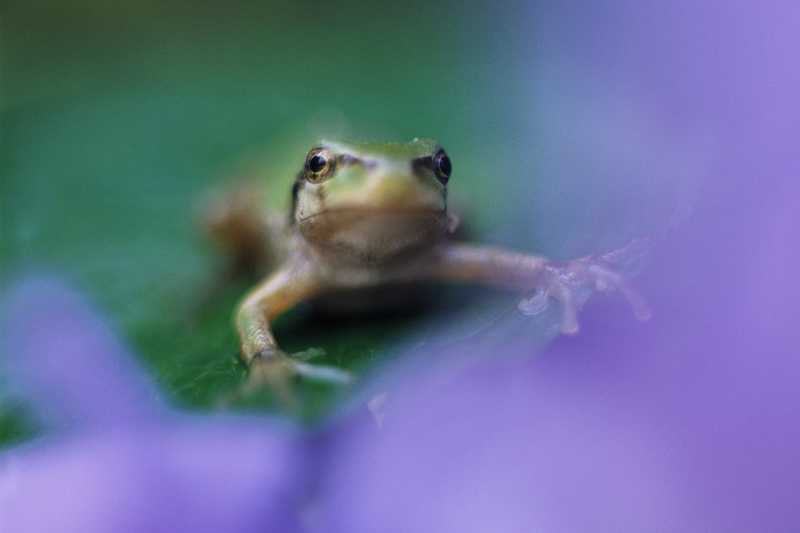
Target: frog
point(365, 216)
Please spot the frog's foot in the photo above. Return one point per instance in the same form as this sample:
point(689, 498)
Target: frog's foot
point(571, 284)
point(276, 372)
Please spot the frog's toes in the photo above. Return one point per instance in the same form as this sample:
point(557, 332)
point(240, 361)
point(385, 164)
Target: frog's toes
point(277, 372)
point(630, 257)
point(534, 305)
point(607, 280)
point(274, 373)
point(569, 310)
point(322, 373)
point(309, 354)
point(558, 287)
point(568, 284)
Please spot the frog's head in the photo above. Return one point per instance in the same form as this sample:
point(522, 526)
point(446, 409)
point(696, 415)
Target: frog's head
point(374, 200)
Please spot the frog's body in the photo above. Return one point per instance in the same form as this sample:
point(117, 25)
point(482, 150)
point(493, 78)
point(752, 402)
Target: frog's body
point(366, 218)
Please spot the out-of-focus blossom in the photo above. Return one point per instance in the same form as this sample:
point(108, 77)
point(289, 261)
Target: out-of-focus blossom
point(499, 449)
point(122, 461)
point(686, 423)
point(68, 363)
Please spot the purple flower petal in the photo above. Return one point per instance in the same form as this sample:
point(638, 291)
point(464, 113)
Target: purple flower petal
point(68, 362)
point(128, 464)
point(180, 475)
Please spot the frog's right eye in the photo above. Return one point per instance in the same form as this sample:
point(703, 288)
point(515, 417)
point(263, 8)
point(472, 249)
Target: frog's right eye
point(319, 165)
point(442, 166)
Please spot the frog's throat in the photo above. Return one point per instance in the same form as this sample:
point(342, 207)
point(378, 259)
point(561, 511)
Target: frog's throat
point(376, 234)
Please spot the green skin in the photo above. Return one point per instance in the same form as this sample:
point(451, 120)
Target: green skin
point(365, 216)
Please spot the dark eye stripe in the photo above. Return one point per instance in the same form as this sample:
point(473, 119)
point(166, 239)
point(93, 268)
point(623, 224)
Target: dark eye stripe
point(422, 163)
point(347, 159)
point(438, 164)
point(298, 184)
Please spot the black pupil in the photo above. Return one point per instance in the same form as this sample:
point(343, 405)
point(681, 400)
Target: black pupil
point(317, 163)
point(445, 167)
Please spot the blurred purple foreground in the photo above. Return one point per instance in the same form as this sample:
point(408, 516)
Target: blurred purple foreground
point(687, 423)
point(122, 461)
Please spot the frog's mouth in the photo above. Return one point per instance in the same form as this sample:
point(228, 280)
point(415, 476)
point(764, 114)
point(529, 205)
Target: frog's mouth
point(351, 213)
point(374, 232)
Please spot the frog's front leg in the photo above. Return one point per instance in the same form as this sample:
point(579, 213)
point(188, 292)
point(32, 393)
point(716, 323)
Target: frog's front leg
point(513, 270)
point(268, 365)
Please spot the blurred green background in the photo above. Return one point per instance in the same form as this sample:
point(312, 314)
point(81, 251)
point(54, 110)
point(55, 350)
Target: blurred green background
point(117, 117)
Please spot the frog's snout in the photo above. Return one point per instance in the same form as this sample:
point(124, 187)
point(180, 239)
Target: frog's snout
point(389, 189)
point(401, 190)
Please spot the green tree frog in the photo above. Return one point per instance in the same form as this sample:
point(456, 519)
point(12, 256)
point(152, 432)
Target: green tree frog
point(366, 216)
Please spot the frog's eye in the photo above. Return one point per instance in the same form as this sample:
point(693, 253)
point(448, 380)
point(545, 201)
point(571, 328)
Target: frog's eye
point(442, 166)
point(319, 164)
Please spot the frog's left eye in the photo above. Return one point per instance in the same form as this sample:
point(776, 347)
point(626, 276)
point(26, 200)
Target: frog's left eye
point(319, 164)
point(442, 166)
